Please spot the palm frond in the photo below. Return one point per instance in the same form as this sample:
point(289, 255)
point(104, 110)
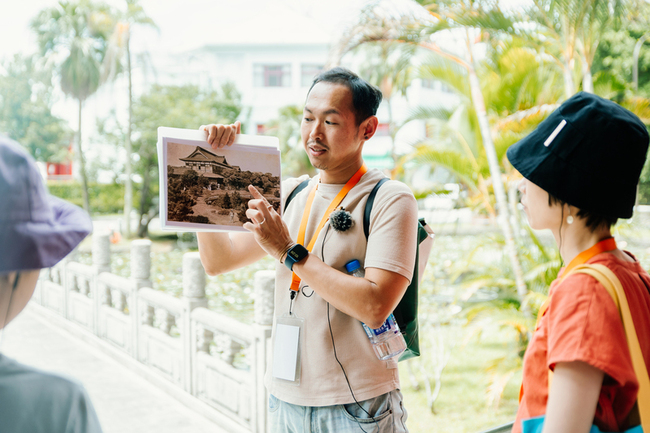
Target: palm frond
point(639, 106)
point(452, 161)
point(543, 271)
point(432, 112)
point(492, 19)
point(437, 67)
point(497, 386)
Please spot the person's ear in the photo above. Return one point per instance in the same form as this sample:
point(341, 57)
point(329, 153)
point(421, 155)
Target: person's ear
point(368, 127)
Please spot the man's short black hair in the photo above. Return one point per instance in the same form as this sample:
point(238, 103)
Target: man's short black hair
point(365, 97)
point(593, 220)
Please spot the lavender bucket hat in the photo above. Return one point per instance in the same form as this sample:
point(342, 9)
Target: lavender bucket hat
point(37, 230)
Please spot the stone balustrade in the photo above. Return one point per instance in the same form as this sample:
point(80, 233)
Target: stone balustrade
point(214, 358)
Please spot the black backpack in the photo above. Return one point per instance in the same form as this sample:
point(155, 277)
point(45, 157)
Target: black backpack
point(406, 312)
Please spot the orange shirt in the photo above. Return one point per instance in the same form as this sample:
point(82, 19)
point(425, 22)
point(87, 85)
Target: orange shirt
point(583, 324)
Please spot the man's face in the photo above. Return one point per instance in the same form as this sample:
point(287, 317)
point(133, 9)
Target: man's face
point(329, 130)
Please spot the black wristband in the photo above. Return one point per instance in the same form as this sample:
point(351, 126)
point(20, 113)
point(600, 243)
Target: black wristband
point(295, 254)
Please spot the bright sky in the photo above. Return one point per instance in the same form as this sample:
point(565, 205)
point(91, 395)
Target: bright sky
point(184, 24)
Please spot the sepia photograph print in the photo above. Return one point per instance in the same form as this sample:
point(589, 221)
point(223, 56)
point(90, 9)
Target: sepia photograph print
point(205, 189)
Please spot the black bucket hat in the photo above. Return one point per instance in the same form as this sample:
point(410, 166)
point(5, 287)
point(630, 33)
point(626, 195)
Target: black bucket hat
point(37, 230)
point(588, 153)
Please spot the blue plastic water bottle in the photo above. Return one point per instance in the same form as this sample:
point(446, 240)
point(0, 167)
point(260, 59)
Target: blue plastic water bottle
point(387, 341)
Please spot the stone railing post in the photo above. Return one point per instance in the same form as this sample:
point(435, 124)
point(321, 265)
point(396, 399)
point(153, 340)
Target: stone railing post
point(140, 275)
point(193, 297)
point(101, 255)
point(141, 262)
point(264, 295)
point(101, 251)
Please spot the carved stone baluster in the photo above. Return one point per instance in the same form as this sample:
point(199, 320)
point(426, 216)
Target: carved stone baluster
point(231, 349)
point(149, 313)
point(168, 322)
point(120, 303)
point(54, 275)
point(205, 337)
point(73, 282)
point(108, 296)
point(82, 285)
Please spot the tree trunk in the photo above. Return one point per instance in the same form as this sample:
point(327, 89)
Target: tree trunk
point(82, 165)
point(143, 226)
point(512, 202)
point(503, 216)
point(128, 185)
point(567, 71)
point(587, 78)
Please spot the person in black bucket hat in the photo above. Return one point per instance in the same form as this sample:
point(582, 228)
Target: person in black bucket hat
point(580, 169)
point(37, 230)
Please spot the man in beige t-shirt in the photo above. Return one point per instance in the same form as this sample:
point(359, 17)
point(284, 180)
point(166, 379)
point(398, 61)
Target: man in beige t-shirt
point(341, 385)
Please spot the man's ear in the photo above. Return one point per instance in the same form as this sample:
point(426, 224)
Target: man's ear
point(368, 127)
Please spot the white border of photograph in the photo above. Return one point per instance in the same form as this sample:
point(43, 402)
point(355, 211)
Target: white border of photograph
point(243, 142)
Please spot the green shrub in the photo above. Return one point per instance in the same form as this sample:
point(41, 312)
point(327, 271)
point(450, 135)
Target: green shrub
point(104, 198)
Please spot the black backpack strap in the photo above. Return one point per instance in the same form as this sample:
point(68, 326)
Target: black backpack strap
point(369, 203)
point(302, 185)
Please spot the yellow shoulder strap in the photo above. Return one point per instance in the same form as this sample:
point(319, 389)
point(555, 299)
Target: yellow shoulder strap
point(613, 286)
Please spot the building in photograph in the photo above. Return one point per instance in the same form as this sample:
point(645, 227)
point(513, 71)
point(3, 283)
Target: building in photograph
point(206, 164)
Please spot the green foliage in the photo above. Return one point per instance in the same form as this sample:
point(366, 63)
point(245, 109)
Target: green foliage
point(26, 110)
point(515, 78)
point(613, 62)
point(104, 198)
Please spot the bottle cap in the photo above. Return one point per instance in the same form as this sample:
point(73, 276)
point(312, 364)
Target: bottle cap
point(352, 266)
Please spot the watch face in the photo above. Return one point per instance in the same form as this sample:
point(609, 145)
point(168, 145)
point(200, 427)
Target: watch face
point(295, 254)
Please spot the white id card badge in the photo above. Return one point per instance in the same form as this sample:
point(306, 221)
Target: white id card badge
point(286, 350)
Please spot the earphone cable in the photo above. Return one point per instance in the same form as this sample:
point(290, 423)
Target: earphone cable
point(334, 346)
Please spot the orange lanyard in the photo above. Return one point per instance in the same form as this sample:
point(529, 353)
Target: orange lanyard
point(295, 279)
point(608, 244)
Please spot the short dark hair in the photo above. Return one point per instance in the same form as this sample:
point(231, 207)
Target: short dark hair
point(593, 219)
point(365, 97)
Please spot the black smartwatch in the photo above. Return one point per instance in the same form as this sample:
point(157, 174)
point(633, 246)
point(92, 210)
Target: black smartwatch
point(295, 254)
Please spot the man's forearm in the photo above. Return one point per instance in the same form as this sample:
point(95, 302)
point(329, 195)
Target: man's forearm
point(369, 300)
point(224, 252)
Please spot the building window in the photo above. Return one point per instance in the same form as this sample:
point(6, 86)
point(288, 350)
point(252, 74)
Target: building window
point(272, 75)
point(308, 72)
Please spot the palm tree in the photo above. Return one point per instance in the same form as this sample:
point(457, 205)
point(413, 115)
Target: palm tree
point(382, 23)
point(72, 36)
point(119, 52)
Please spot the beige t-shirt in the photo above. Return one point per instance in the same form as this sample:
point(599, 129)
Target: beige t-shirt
point(391, 246)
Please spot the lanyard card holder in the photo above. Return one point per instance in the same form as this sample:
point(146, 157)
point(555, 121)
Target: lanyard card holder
point(289, 331)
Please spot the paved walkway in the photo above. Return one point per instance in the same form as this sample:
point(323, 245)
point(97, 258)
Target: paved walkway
point(125, 402)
